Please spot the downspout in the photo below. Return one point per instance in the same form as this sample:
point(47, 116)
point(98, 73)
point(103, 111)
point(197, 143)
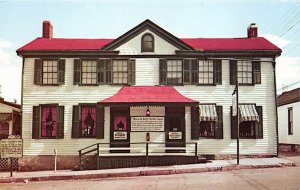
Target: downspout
point(276, 111)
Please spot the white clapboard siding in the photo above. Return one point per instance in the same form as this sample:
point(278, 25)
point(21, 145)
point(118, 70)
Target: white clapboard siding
point(147, 73)
point(284, 137)
point(133, 46)
point(261, 95)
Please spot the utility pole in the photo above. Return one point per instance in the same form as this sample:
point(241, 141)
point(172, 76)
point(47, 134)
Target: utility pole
point(238, 123)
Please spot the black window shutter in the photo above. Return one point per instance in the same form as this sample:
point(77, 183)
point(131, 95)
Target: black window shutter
point(219, 124)
point(195, 71)
point(38, 66)
point(233, 71)
point(108, 70)
point(162, 71)
point(76, 122)
point(77, 72)
point(233, 125)
point(256, 72)
point(195, 123)
point(218, 71)
point(100, 122)
point(259, 125)
point(131, 71)
point(101, 71)
point(61, 71)
point(187, 71)
point(60, 122)
point(36, 122)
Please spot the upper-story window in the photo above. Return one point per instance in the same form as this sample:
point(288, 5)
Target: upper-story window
point(89, 72)
point(104, 71)
point(245, 71)
point(206, 72)
point(190, 71)
point(147, 43)
point(49, 71)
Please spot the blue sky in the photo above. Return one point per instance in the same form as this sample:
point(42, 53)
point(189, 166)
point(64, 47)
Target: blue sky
point(21, 22)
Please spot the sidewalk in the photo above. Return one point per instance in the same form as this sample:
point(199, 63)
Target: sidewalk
point(214, 166)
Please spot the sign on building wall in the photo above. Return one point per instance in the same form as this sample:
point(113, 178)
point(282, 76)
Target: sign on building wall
point(120, 135)
point(147, 123)
point(175, 135)
point(11, 148)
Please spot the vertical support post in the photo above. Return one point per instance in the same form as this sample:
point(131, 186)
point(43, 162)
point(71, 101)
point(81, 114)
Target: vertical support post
point(11, 167)
point(147, 154)
point(196, 153)
point(238, 123)
point(80, 164)
point(98, 156)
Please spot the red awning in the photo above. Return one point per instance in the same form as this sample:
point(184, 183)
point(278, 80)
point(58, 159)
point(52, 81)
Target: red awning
point(148, 95)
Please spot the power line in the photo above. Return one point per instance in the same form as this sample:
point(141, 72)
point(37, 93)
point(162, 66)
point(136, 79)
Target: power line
point(283, 19)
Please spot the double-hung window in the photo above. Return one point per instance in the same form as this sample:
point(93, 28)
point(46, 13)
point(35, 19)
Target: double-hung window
point(48, 121)
point(49, 71)
point(206, 72)
point(87, 121)
point(246, 72)
point(190, 71)
point(207, 121)
point(104, 71)
point(250, 122)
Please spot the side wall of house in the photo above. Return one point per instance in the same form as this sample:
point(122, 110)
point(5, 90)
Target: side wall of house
point(284, 137)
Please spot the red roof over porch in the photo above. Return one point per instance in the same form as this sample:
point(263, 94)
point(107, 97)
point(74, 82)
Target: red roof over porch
point(148, 95)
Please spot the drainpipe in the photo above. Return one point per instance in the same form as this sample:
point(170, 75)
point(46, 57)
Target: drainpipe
point(276, 111)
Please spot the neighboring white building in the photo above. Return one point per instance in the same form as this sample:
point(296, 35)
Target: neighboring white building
point(288, 117)
point(10, 118)
point(78, 92)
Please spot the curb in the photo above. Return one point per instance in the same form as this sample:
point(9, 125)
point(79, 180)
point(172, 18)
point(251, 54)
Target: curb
point(142, 173)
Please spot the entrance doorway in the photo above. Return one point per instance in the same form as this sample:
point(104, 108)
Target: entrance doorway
point(175, 128)
point(120, 129)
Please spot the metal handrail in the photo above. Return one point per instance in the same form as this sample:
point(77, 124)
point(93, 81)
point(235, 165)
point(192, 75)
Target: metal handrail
point(146, 153)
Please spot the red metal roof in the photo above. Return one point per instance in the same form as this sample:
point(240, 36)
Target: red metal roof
point(289, 97)
point(223, 44)
point(258, 43)
point(148, 94)
point(62, 44)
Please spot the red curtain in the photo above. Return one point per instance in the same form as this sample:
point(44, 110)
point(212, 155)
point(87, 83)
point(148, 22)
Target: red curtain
point(88, 118)
point(48, 121)
point(120, 123)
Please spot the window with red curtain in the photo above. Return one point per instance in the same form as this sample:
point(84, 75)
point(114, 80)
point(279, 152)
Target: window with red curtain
point(120, 123)
point(88, 121)
point(49, 121)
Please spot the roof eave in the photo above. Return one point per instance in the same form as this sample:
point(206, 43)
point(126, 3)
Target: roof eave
point(228, 53)
point(30, 53)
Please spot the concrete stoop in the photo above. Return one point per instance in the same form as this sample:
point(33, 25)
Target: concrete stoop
point(140, 171)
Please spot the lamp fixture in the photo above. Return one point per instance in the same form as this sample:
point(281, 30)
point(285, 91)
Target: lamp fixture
point(148, 111)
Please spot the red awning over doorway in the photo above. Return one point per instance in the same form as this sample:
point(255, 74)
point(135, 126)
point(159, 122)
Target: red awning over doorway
point(148, 95)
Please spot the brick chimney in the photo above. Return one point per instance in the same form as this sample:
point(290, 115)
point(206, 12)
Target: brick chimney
point(47, 29)
point(252, 31)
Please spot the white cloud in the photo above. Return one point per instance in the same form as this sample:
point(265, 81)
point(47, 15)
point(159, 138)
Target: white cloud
point(287, 72)
point(10, 72)
point(278, 41)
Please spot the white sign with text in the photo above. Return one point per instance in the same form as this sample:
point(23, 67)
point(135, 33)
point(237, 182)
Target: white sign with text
point(147, 123)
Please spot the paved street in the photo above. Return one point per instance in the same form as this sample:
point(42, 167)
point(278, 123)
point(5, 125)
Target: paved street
point(287, 178)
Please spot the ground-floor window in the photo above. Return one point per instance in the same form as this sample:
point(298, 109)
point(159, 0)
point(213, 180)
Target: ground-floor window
point(207, 128)
point(247, 129)
point(48, 121)
point(88, 121)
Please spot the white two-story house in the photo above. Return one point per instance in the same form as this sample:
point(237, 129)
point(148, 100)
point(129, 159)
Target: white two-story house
point(146, 86)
